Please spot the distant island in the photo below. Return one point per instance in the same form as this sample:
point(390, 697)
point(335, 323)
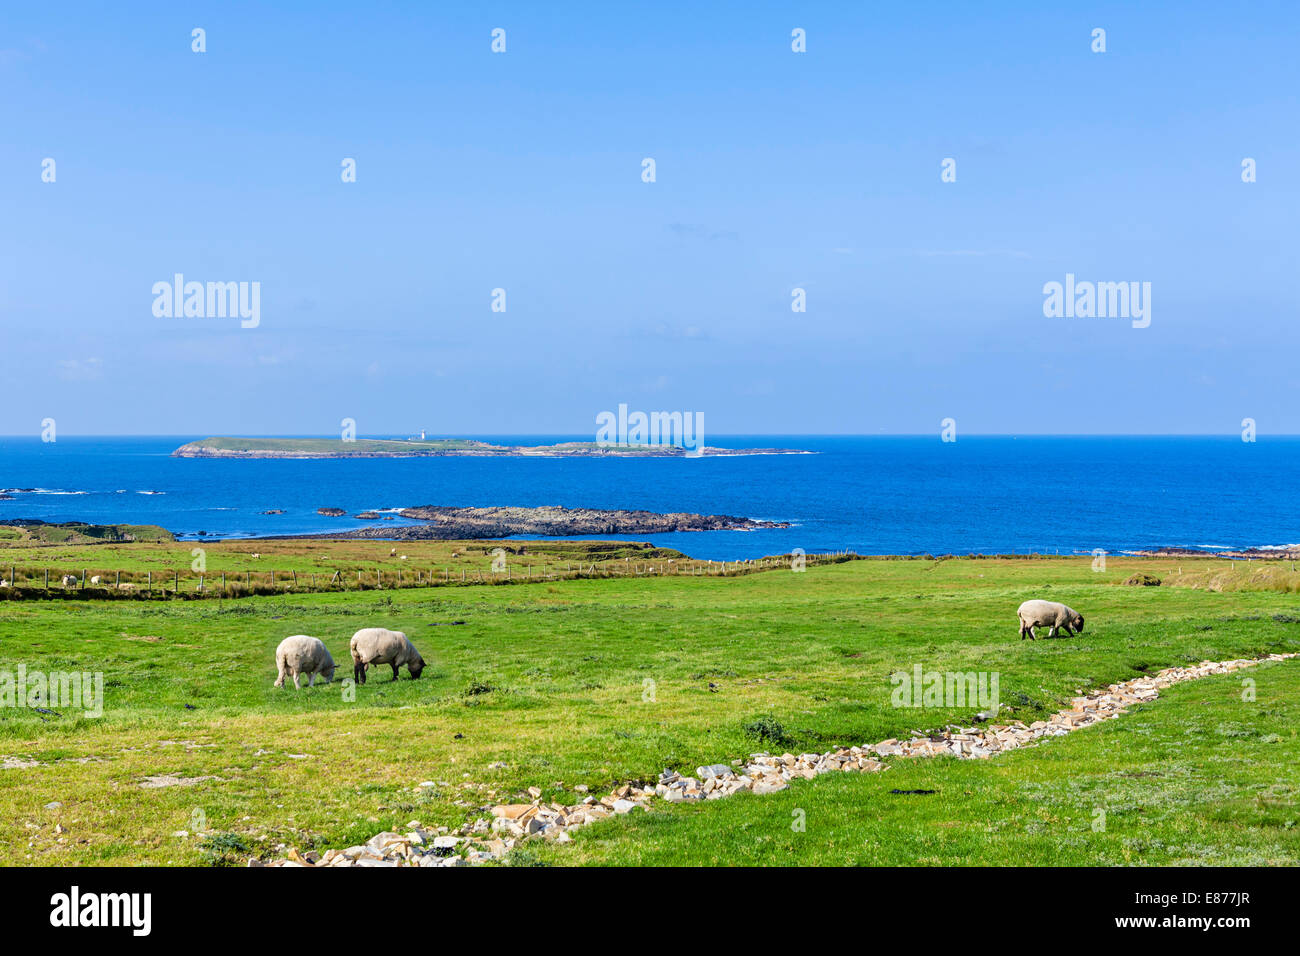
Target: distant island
point(452, 523)
point(441, 447)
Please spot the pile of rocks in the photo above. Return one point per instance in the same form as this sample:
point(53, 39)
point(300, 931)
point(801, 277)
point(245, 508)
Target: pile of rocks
point(489, 839)
point(416, 848)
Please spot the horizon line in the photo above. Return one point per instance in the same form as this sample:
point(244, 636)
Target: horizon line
point(721, 435)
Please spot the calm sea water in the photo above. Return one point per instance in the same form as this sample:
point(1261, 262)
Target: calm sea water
point(875, 495)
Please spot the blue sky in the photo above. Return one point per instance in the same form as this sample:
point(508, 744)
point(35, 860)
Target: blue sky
point(522, 171)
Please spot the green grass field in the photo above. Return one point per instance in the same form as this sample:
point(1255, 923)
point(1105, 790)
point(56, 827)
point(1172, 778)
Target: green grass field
point(598, 682)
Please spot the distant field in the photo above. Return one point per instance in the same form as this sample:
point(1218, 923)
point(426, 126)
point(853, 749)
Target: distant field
point(38, 534)
point(551, 680)
point(360, 563)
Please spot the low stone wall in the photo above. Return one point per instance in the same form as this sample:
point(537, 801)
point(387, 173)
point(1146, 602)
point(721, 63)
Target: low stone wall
point(489, 839)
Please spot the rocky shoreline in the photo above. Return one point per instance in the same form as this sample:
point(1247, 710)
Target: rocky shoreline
point(486, 840)
point(449, 523)
point(1289, 552)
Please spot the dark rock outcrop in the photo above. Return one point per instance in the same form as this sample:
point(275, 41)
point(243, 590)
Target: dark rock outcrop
point(452, 523)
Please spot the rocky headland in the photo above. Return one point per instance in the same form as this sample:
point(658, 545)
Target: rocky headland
point(442, 522)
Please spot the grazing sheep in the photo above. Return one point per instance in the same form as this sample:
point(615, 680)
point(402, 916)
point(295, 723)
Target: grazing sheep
point(378, 645)
point(402, 558)
point(392, 552)
point(69, 580)
point(301, 654)
point(4, 584)
point(1048, 614)
point(95, 579)
point(254, 555)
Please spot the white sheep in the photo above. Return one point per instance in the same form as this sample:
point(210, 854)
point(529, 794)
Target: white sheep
point(254, 555)
point(301, 654)
point(95, 579)
point(392, 552)
point(402, 558)
point(1048, 614)
point(378, 645)
point(69, 580)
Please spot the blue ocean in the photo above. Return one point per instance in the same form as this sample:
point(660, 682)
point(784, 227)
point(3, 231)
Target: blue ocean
point(873, 495)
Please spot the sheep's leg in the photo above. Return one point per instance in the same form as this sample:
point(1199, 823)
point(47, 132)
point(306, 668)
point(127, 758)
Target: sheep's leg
point(279, 681)
point(1031, 632)
point(295, 681)
point(358, 672)
point(1052, 632)
point(394, 672)
point(1022, 630)
point(311, 681)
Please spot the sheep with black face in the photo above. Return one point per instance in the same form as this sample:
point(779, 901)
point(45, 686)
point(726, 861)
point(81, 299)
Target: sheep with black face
point(378, 645)
point(1048, 614)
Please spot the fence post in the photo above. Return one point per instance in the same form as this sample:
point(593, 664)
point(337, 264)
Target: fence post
point(149, 583)
point(176, 582)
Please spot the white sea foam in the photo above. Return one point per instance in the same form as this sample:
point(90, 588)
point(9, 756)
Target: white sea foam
point(40, 491)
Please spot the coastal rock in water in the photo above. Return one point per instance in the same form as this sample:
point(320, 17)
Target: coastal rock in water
point(452, 523)
point(331, 512)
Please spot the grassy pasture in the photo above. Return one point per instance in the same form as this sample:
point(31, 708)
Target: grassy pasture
point(602, 681)
point(1199, 778)
point(281, 565)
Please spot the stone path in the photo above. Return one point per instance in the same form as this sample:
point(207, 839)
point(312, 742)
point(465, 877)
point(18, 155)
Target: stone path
point(489, 839)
